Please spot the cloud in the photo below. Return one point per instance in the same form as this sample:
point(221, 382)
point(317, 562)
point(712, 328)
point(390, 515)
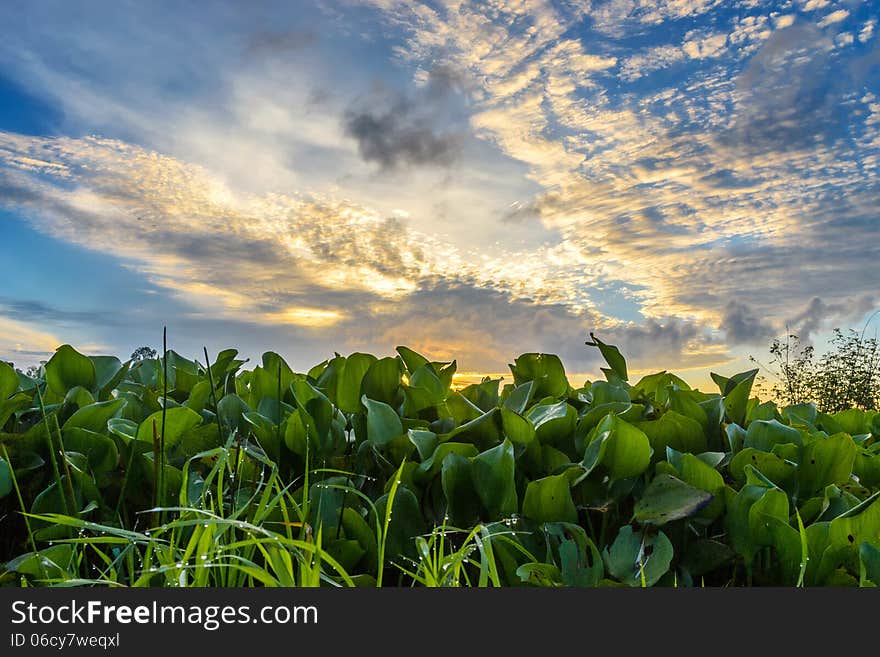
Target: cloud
point(742, 326)
point(834, 17)
point(35, 311)
point(792, 95)
point(392, 129)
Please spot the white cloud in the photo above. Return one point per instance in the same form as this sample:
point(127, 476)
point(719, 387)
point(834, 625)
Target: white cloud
point(834, 17)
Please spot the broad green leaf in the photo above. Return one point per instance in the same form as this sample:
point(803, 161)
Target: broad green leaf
point(8, 381)
point(554, 423)
point(519, 397)
point(412, 360)
point(869, 557)
point(857, 525)
point(516, 427)
point(52, 562)
point(485, 431)
point(462, 502)
point(109, 371)
point(772, 466)
point(705, 555)
point(67, 369)
point(683, 403)
point(94, 417)
point(348, 385)
point(177, 422)
point(672, 429)
point(430, 467)
point(628, 451)
point(764, 434)
point(668, 498)
point(637, 559)
point(383, 424)
point(493, 473)
point(580, 561)
point(545, 370)
point(382, 380)
point(100, 450)
point(549, 500)
point(425, 441)
point(612, 356)
point(826, 461)
point(737, 399)
point(5, 478)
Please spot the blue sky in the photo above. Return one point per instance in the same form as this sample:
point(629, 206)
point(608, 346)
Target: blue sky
point(687, 179)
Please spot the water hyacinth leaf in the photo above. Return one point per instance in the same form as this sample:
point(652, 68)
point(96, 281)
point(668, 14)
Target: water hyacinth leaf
point(549, 500)
point(493, 473)
point(430, 467)
point(636, 559)
point(764, 434)
point(177, 422)
point(109, 371)
point(772, 466)
point(348, 385)
point(425, 441)
point(356, 528)
point(231, 410)
point(672, 429)
point(859, 524)
point(67, 369)
point(426, 378)
point(705, 555)
point(462, 503)
point(539, 574)
point(407, 522)
point(553, 423)
point(772, 504)
point(655, 386)
point(805, 414)
point(683, 403)
point(736, 399)
point(124, 428)
point(100, 450)
point(853, 421)
point(95, 416)
point(826, 461)
point(483, 395)
point(604, 392)
point(383, 424)
point(412, 360)
point(516, 427)
point(545, 370)
point(5, 478)
point(484, 431)
point(668, 498)
point(628, 451)
point(382, 380)
point(612, 356)
point(869, 558)
point(867, 468)
point(8, 380)
point(199, 396)
point(52, 562)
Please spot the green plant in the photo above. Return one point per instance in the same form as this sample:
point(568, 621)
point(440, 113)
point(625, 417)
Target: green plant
point(368, 471)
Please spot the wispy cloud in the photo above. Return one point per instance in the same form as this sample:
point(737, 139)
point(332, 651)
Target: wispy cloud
point(680, 176)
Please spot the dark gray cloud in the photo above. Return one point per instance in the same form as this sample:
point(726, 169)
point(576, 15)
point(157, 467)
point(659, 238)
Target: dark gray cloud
point(33, 310)
point(796, 93)
point(279, 42)
point(819, 313)
point(741, 325)
point(424, 128)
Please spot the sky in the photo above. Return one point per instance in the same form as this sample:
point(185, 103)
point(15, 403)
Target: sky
point(686, 179)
